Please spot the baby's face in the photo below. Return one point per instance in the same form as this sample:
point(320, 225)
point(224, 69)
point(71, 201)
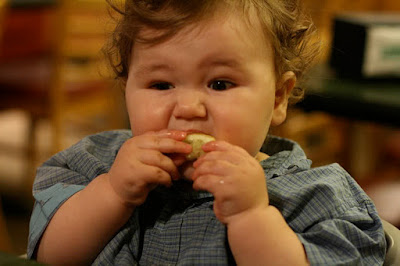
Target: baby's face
point(216, 78)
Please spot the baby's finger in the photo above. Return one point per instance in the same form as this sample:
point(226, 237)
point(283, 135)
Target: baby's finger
point(232, 157)
point(178, 159)
point(222, 146)
point(214, 167)
point(158, 176)
point(165, 145)
point(168, 133)
point(210, 183)
point(157, 159)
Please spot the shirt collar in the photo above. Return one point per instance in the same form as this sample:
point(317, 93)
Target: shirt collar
point(286, 157)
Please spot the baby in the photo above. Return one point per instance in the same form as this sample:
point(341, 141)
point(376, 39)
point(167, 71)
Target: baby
point(227, 69)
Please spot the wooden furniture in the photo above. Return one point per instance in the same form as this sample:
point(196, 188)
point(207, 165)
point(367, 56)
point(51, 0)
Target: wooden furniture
point(51, 67)
point(5, 244)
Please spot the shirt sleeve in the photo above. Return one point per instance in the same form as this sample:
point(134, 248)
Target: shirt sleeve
point(333, 218)
point(46, 204)
point(354, 238)
point(65, 174)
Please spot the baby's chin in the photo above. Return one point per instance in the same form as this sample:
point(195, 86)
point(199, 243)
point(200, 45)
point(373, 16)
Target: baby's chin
point(186, 170)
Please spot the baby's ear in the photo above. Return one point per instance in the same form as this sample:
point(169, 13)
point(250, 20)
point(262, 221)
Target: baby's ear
point(284, 87)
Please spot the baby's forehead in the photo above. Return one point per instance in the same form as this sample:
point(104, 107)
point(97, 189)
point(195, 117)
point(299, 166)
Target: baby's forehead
point(246, 31)
point(248, 26)
point(226, 42)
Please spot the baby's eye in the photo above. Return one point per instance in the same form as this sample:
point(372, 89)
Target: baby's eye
point(220, 85)
point(162, 86)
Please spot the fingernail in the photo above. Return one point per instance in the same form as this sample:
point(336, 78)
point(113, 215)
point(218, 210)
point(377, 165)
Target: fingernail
point(182, 134)
point(167, 133)
point(208, 146)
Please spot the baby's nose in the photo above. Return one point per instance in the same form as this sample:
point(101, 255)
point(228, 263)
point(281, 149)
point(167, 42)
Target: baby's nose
point(190, 104)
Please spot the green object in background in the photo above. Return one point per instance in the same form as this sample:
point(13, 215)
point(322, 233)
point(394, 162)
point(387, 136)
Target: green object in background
point(391, 52)
point(8, 260)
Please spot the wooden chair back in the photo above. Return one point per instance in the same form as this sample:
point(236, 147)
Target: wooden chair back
point(81, 84)
point(59, 75)
point(5, 244)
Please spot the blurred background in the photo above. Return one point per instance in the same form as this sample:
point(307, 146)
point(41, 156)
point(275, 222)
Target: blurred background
point(55, 88)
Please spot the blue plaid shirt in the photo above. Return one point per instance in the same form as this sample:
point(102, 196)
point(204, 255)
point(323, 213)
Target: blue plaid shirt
point(333, 218)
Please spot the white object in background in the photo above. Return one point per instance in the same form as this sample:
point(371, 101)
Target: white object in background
point(382, 53)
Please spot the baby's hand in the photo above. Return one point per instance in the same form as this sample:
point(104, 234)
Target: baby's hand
point(233, 176)
point(142, 164)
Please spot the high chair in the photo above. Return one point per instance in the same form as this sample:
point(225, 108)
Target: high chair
point(392, 235)
point(51, 68)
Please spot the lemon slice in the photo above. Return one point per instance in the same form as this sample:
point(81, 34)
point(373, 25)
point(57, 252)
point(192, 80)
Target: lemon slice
point(197, 140)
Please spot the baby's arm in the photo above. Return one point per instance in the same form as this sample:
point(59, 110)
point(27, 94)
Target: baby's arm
point(262, 236)
point(84, 224)
point(257, 232)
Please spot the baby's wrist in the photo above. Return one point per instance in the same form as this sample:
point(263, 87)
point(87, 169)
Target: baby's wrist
point(112, 194)
point(249, 215)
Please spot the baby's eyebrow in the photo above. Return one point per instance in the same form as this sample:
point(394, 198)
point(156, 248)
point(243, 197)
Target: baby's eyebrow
point(150, 68)
point(146, 68)
point(223, 62)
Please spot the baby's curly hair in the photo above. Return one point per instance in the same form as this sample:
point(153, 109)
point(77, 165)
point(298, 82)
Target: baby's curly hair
point(290, 30)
